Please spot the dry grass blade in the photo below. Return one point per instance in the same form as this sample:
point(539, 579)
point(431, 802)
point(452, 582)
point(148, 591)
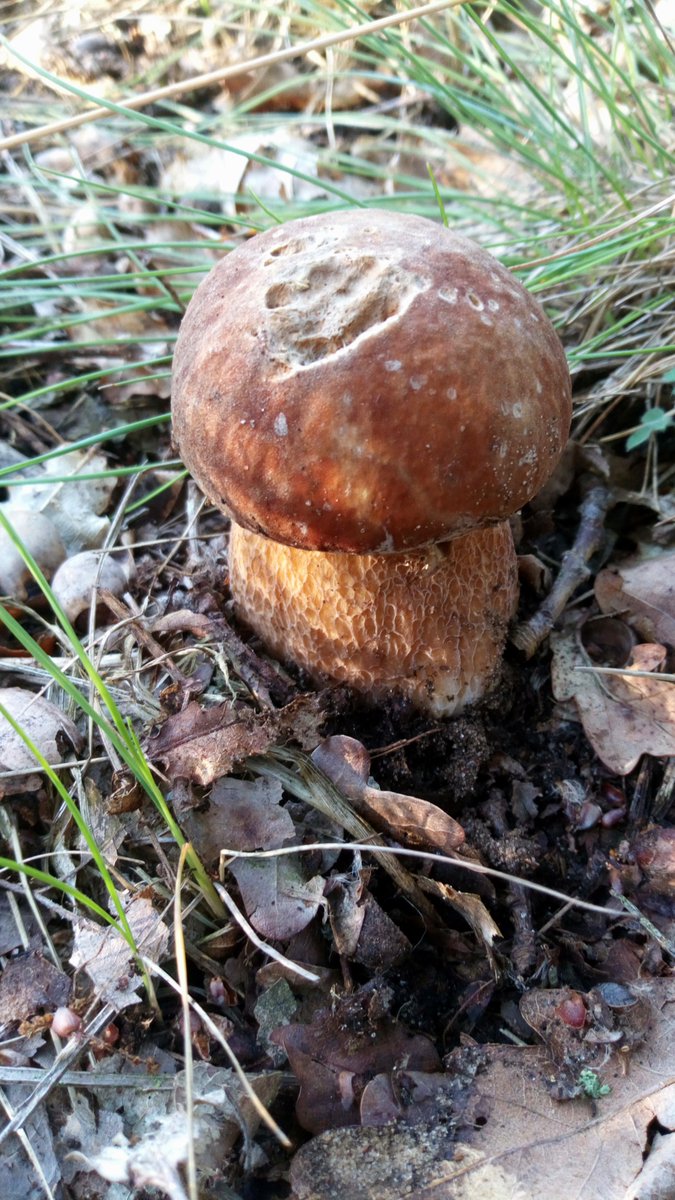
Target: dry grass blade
point(428, 856)
point(251, 934)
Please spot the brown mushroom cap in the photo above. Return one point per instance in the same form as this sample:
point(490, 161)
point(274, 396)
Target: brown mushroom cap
point(367, 381)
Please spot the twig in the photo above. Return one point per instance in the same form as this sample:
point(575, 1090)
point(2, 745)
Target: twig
point(210, 77)
point(664, 796)
point(529, 635)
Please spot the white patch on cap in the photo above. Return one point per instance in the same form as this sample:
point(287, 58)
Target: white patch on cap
point(281, 425)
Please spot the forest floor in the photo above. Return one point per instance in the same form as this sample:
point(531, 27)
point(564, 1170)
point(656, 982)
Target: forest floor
point(485, 1004)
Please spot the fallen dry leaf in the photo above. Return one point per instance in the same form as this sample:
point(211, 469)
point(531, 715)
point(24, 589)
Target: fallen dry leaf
point(503, 1136)
point(107, 957)
point(159, 1146)
point(623, 717)
point(240, 815)
point(644, 593)
point(76, 508)
point(279, 898)
point(336, 1055)
point(202, 744)
point(406, 818)
point(30, 985)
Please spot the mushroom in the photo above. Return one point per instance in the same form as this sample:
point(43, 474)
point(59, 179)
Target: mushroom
point(371, 397)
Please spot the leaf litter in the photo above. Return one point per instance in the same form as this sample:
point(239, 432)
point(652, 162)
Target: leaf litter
point(389, 1058)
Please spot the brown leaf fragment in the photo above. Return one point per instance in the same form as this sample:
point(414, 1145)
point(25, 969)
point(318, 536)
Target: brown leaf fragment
point(336, 1055)
point(623, 716)
point(30, 985)
point(278, 896)
point(300, 721)
point(239, 815)
point(654, 851)
point(202, 744)
point(407, 819)
point(644, 592)
point(471, 908)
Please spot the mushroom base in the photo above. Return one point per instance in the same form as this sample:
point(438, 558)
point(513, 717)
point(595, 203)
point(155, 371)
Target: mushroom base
point(429, 625)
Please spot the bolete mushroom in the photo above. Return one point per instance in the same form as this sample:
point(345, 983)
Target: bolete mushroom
point(371, 397)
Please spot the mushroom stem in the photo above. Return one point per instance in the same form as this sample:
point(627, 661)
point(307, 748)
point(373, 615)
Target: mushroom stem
point(429, 624)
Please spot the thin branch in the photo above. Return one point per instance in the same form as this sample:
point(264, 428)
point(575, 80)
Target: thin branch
point(529, 635)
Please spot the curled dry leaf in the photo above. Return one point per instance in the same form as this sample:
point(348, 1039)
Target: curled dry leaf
point(47, 727)
point(644, 593)
point(157, 1150)
point(75, 508)
point(623, 716)
point(471, 908)
point(40, 538)
point(362, 931)
point(406, 818)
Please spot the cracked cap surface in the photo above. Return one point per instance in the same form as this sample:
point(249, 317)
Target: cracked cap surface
point(367, 381)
